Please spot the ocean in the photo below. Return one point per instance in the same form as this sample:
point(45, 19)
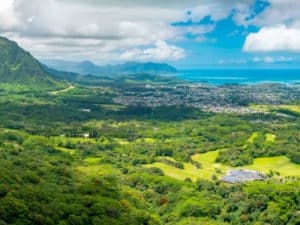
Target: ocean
point(252, 76)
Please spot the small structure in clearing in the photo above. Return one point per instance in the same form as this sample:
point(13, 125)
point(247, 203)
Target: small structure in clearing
point(238, 176)
point(85, 110)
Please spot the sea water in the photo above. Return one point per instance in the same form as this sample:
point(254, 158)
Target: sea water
point(251, 76)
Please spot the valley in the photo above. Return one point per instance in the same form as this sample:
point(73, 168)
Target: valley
point(146, 149)
point(125, 164)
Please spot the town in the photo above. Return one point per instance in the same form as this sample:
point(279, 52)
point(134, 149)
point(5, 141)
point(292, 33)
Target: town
point(231, 98)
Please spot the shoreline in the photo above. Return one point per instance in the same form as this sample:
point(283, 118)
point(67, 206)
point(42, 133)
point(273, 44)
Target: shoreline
point(241, 77)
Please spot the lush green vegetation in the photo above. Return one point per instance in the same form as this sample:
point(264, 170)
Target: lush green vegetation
point(210, 170)
point(70, 156)
point(67, 180)
point(18, 66)
point(289, 110)
point(140, 165)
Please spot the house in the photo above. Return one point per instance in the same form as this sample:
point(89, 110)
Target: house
point(238, 176)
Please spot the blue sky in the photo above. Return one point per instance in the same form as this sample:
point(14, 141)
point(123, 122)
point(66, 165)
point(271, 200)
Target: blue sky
point(188, 34)
point(223, 46)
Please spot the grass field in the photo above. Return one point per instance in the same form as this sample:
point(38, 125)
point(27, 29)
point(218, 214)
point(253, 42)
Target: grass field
point(293, 108)
point(280, 164)
point(208, 169)
point(70, 87)
point(260, 108)
point(74, 139)
point(92, 160)
point(266, 108)
point(270, 137)
point(189, 171)
point(252, 137)
point(92, 169)
point(67, 150)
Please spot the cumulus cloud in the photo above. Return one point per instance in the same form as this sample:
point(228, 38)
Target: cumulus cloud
point(8, 18)
point(78, 30)
point(279, 12)
point(104, 30)
point(220, 9)
point(279, 38)
point(161, 52)
point(280, 28)
point(5, 4)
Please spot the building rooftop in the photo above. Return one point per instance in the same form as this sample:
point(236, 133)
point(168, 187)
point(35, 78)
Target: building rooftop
point(238, 176)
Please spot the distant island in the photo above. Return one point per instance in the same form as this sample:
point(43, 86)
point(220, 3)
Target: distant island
point(88, 67)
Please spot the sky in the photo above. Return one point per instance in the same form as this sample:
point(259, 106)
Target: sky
point(188, 34)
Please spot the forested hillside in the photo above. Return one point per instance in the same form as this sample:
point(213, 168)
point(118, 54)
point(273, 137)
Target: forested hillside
point(18, 66)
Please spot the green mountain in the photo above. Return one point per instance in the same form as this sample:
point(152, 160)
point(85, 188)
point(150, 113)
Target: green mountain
point(19, 66)
point(137, 79)
point(87, 67)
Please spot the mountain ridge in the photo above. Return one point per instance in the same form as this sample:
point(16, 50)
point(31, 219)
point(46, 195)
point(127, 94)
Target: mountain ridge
point(88, 67)
point(19, 66)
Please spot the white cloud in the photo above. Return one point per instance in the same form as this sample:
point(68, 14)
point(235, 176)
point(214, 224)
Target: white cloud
point(279, 38)
point(269, 59)
point(220, 9)
point(232, 61)
point(198, 29)
point(5, 4)
point(279, 12)
point(94, 30)
point(102, 30)
point(280, 28)
point(160, 52)
point(8, 18)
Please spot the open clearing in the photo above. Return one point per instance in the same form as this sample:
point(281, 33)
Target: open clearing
point(270, 137)
point(293, 108)
point(189, 171)
point(70, 87)
point(208, 169)
point(252, 137)
point(281, 164)
point(266, 108)
point(91, 169)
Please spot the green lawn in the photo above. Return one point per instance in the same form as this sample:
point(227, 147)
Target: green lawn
point(282, 164)
point(91, 170)
point(70, 87)
point(266, 108)
point(190, 171)
point(74, 139)
point(293, 108)
point(92, 160)
point(67, 150)
point(270, 137)
point(252, 137)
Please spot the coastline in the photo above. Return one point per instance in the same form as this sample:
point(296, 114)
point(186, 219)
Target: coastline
point(247, 77)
